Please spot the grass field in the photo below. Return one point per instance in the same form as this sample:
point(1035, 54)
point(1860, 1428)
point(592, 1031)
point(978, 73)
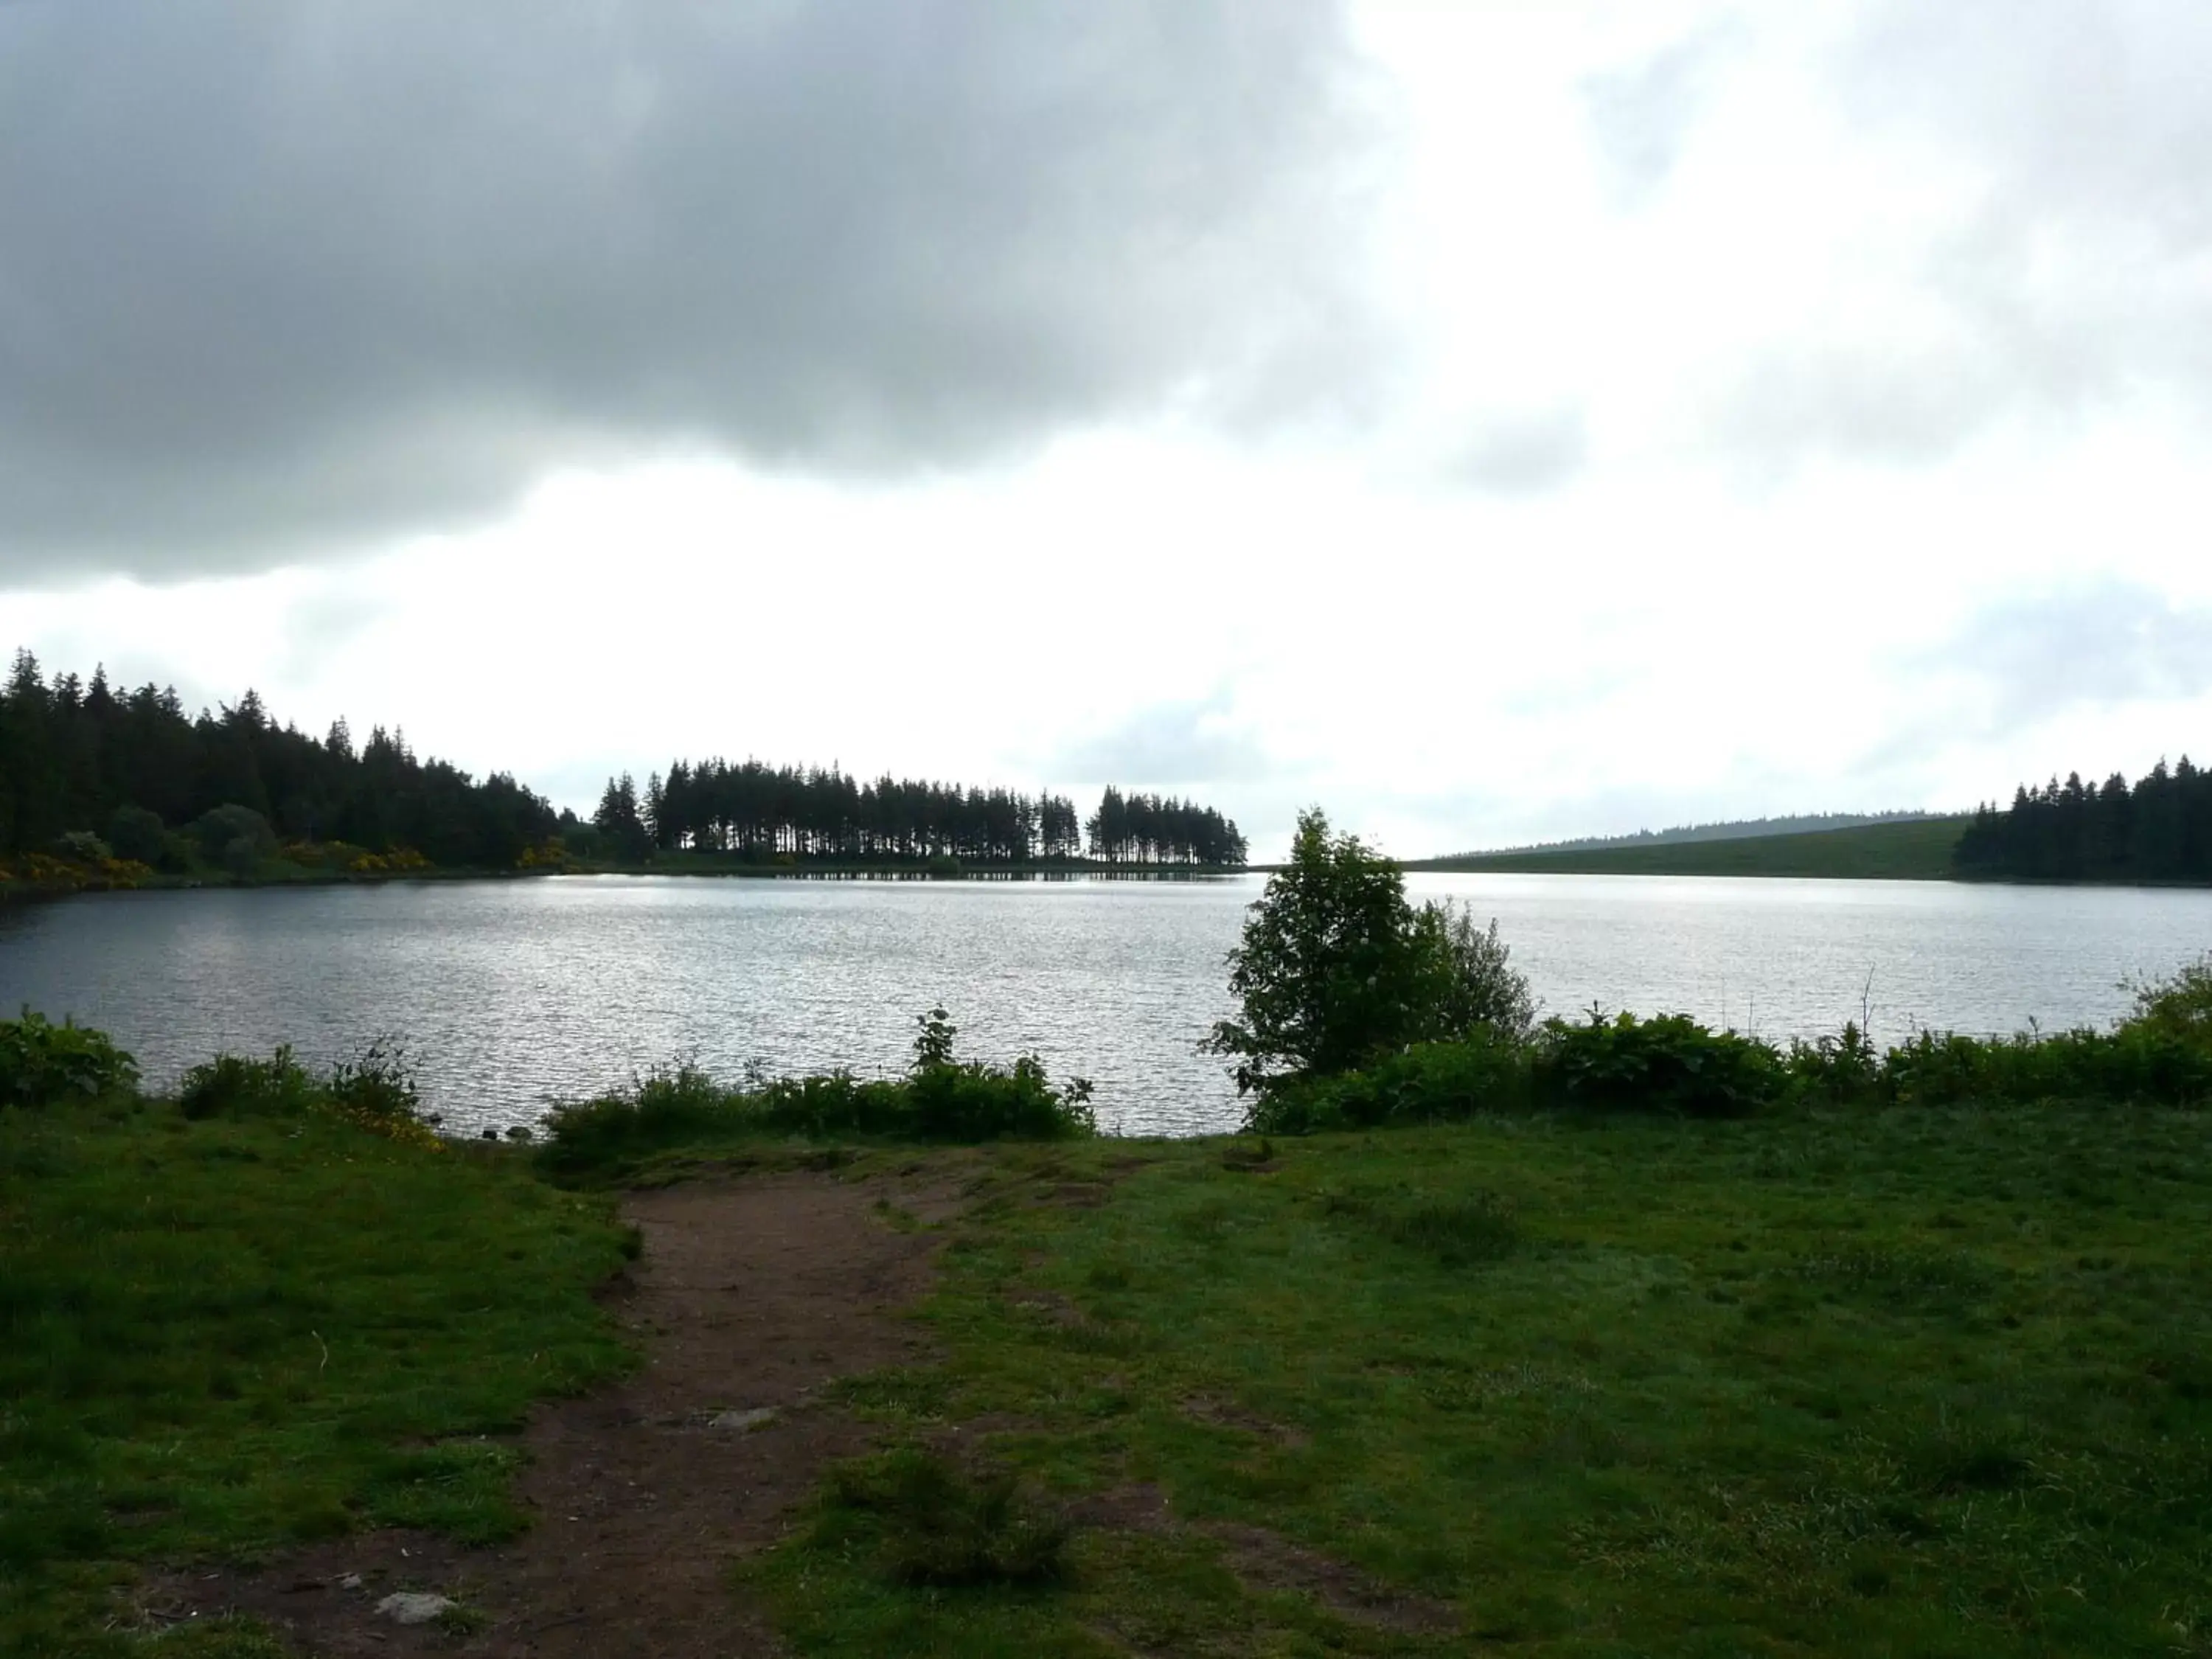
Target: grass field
point(1917, 851)
point(1898, 1383)
point(1884, 1382)
point(220, 1338)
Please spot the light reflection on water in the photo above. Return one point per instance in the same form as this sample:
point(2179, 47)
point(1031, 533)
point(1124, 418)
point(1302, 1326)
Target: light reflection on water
point(511, 994)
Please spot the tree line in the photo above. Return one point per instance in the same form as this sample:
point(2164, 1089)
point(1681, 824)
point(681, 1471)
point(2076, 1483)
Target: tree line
point(819, 814)
point(88, 769)
point(1149, 830)
point(83, 761)
point(2160, 829)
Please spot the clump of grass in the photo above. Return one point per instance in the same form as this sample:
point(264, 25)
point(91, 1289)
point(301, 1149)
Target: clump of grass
point(927, 1522)
point(1458, 1228)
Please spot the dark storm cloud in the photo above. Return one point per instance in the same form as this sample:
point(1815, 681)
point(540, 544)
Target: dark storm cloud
point(274, 280)
point(2072, 278)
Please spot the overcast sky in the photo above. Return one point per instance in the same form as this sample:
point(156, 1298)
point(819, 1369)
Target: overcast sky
point(1493, 422)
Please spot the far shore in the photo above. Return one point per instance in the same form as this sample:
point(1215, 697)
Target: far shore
point(92, 881)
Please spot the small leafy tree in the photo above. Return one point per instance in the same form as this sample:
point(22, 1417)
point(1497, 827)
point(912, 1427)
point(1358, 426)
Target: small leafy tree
point(1475, 984)
point(932, 1043)
point(219, 831)
point(1336, 968)
point(136, 833)
point(1329, 971)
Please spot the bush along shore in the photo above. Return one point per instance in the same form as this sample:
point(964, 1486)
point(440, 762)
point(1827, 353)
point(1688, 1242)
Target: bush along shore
point(1566, 1337)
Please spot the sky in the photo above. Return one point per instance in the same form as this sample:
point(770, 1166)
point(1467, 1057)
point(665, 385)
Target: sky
point(1490, 421)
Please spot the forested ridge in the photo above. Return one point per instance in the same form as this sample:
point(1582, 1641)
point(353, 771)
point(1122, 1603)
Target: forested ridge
point(2160, 829)
point(82, 760)
point(91, 773)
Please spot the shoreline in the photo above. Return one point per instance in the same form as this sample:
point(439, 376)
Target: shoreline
point(165, 881)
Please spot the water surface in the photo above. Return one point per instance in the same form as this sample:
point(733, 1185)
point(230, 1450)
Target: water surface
point(512, 994)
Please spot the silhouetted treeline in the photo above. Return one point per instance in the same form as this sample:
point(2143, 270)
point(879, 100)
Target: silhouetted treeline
point(84, 757)
point(2159, 830)
point(83, 762)
point(1146, 829)
point(761, 811)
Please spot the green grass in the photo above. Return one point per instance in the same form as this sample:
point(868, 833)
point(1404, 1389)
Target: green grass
point(223, 1337)
point(1917, 851)
point(1927, 1382)
point(1897, 1381)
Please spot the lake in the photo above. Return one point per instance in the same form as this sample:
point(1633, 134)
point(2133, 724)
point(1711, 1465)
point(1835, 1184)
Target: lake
point(512, 994)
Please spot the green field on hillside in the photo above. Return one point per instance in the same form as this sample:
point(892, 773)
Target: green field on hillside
point(1917, 851)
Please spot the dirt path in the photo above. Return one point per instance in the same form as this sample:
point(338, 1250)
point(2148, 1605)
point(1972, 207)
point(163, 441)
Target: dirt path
point(749, 1296)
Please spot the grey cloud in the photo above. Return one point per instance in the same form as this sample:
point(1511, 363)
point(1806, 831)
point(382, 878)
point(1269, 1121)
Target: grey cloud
point(2073, 282)
point(319, 625)
point(1642, 116)
point(2098, 643)
point(275, 280)
point(2021, 661)
point(1168, 743)
point(1530, 454)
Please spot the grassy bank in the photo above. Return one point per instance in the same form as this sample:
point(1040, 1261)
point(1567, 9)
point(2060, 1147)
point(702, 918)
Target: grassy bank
point(1916, 851)
point(1908, 1377)
point(222, 1336)
point(1891, 1382)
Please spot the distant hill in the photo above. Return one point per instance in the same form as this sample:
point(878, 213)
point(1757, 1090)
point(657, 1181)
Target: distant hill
point(1800, 823)
point(1899, 847)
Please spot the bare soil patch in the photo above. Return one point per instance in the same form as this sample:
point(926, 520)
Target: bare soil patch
point(750, 1294)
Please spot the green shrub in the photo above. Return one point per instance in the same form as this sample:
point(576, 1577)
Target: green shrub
point(1836, 1070)
point(940, 1098)
point(2178, 1007)
point(217, 832)
point(2137, 1063)
point(977, 1102)
point(42, 1064)
point(136, 833)
point(664, 1107)
point(1668, 1063)
point(1487, 1071)
point(927, 1522)
point(234, 1086)
point(377, 1084)
point(375, 1092)
point(82, 847)
point(2161, 1054)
